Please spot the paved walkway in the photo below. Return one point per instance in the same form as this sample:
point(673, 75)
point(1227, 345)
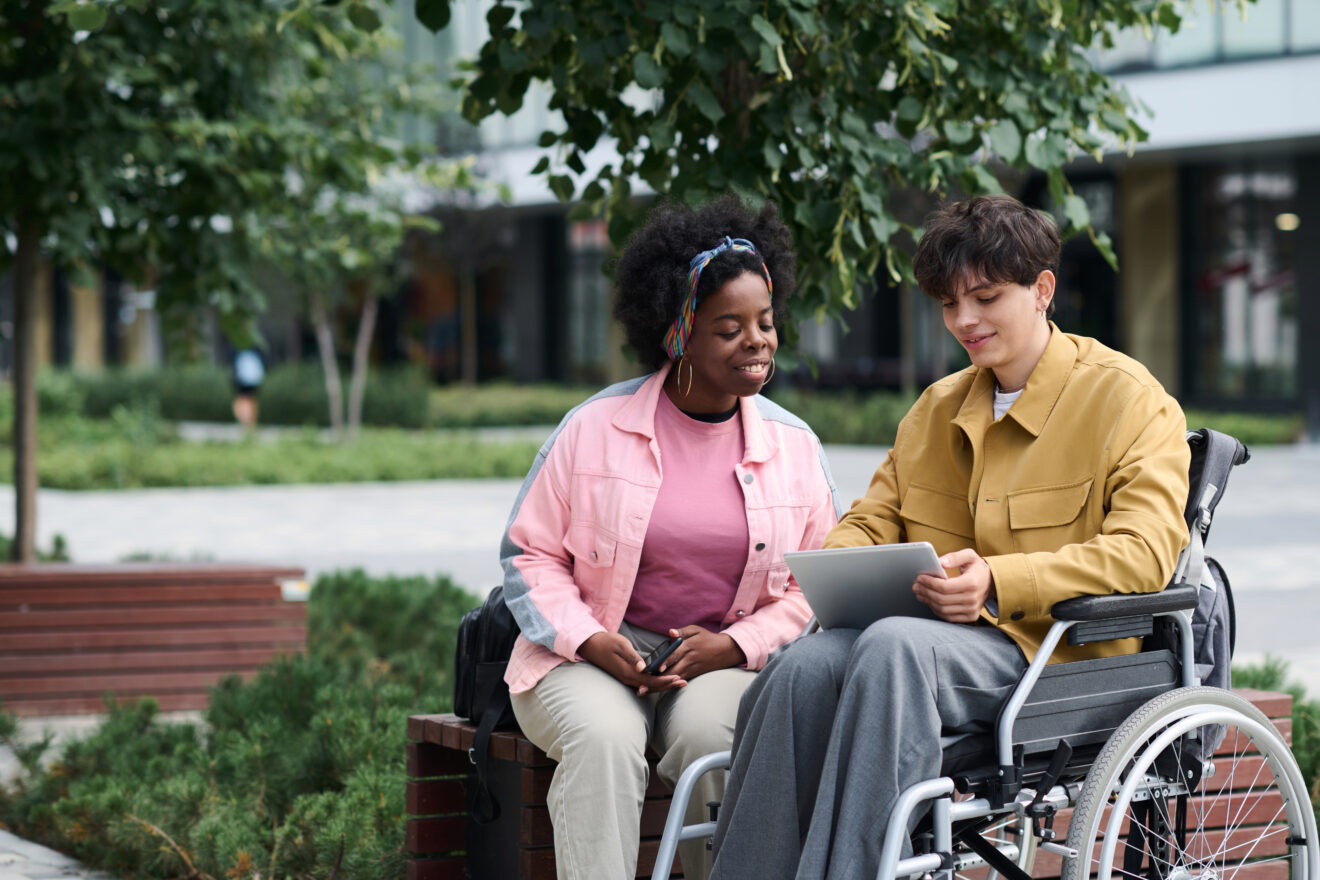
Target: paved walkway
point(1266, 534)
point(23, 860)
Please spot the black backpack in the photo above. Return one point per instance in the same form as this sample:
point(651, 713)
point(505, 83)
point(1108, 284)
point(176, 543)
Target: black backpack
point(485, 640)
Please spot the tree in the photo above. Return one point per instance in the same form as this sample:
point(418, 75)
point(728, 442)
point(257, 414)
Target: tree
point(354, 191)
point(141, 136)
point(832, 109)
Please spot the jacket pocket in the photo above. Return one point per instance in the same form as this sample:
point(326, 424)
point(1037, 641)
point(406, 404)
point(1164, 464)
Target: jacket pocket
point(938, 510)
point(777, 578)
point(589, 546)
point(1048, 506)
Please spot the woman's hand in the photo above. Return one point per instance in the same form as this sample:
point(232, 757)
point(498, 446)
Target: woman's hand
point(702, 651)
point(613, 653)
point(958, 599)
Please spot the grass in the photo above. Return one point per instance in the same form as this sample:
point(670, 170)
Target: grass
point(136, 450)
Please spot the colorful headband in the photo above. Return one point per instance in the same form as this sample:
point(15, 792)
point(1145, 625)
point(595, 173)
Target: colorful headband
point(676, 339)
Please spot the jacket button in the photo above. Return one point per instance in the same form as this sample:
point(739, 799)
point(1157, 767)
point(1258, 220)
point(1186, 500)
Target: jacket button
point(748, 478)
point(593, 554)
point(760, 545)
point(1017, 615)
point(741, 612)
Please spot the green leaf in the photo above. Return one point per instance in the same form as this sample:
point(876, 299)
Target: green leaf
point(910, 109)
point(87, 17)
point(547, 139)
point(648, 74)
point(433, 14)
point(1074, 208)
point(958, 132)
point(364, 18)
point(1106, 247)
point(1006, 140)
point(705, 101)
point(766, 30)
point(676, 39)
point(541, 165)
point(498, 18)
point(562, 186)
point(983, 180)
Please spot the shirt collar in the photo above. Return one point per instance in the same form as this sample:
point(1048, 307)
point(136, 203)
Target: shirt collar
point(1045, 384)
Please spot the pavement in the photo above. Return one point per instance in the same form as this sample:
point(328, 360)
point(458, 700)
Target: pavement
point(1266, 531)
point(23, 860)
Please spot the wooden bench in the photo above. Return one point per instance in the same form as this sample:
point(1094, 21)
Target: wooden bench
point(70, 634)
point(443, 845)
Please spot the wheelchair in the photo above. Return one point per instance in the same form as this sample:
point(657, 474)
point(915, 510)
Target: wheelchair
point(1155, 776)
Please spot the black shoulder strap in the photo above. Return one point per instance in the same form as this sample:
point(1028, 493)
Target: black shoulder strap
point(482, 805)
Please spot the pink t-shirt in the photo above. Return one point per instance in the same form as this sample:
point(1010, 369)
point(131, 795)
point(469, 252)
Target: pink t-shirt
point(696, 544)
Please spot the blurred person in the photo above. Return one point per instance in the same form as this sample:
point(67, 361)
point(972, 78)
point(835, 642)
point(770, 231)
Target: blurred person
point(662, 507)
point(249, 373)
point(1050, 468)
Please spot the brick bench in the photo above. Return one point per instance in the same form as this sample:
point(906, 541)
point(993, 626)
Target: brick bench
point(443, 845)
point(69, 634)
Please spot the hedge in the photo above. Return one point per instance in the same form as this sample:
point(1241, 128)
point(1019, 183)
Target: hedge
point(297, 773)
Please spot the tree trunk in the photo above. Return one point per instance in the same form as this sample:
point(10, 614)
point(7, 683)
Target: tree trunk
point(25, 393)
point(357, 387)
point(467, 310)
point(325, 343)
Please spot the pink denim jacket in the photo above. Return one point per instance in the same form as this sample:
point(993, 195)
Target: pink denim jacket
point(574, 539)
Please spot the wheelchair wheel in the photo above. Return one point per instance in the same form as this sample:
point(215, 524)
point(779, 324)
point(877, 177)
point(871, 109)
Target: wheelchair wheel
point(1151, 808)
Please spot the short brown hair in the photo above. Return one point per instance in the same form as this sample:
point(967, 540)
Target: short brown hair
point(994, 239)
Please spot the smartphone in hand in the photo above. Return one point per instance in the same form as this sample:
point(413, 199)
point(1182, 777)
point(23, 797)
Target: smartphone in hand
point(660, 655)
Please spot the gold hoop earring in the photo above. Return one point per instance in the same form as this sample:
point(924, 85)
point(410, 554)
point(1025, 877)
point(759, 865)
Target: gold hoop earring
point(678, 370)
point(772, 373)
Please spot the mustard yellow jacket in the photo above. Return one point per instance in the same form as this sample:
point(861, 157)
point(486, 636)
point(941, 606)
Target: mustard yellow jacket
point(1078, 490)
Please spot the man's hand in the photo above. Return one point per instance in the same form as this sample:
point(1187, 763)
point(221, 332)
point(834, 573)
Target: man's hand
point(702, 651)
point(957, 599)
point(616, 655)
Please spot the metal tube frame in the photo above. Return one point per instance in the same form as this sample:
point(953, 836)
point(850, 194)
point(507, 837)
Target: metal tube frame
point(675, 830)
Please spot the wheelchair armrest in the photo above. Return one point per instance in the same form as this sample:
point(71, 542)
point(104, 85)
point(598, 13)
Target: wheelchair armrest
point(1083, 608)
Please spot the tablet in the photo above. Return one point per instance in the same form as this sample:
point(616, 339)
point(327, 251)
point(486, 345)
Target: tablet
point(852, 587)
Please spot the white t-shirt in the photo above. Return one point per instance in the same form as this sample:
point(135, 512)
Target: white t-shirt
point(1003, 400)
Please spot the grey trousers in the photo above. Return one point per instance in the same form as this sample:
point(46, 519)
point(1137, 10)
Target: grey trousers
point(837, 726)
point(598, 731)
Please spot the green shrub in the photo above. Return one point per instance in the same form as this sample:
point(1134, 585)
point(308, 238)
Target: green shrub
point(58, 552)
point(1272, 675)
point(138, 449)
point(296, 773)
point(500, 404)
point(848, 417)
point(1253, 429)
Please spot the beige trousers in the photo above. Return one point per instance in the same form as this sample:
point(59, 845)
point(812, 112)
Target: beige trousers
point(598, 730)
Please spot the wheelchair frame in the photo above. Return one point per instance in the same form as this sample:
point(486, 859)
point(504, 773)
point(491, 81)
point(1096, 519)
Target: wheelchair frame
point(1158, 719)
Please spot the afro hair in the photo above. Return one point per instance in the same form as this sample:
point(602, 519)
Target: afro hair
point(651, 277)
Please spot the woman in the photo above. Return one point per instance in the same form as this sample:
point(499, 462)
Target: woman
point(662, 507)
point(1052, 467)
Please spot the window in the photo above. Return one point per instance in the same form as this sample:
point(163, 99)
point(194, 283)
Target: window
point(1241, 289)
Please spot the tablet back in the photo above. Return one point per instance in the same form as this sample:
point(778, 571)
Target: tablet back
point(852, 587)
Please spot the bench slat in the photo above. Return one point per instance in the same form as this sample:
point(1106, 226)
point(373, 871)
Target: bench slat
point(248, 633)
point(125, 661)
point(37, 598)
point(227, 612)
point(149, 683)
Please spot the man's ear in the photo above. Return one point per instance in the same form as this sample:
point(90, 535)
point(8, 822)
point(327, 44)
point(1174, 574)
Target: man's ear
point(1044, 289)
